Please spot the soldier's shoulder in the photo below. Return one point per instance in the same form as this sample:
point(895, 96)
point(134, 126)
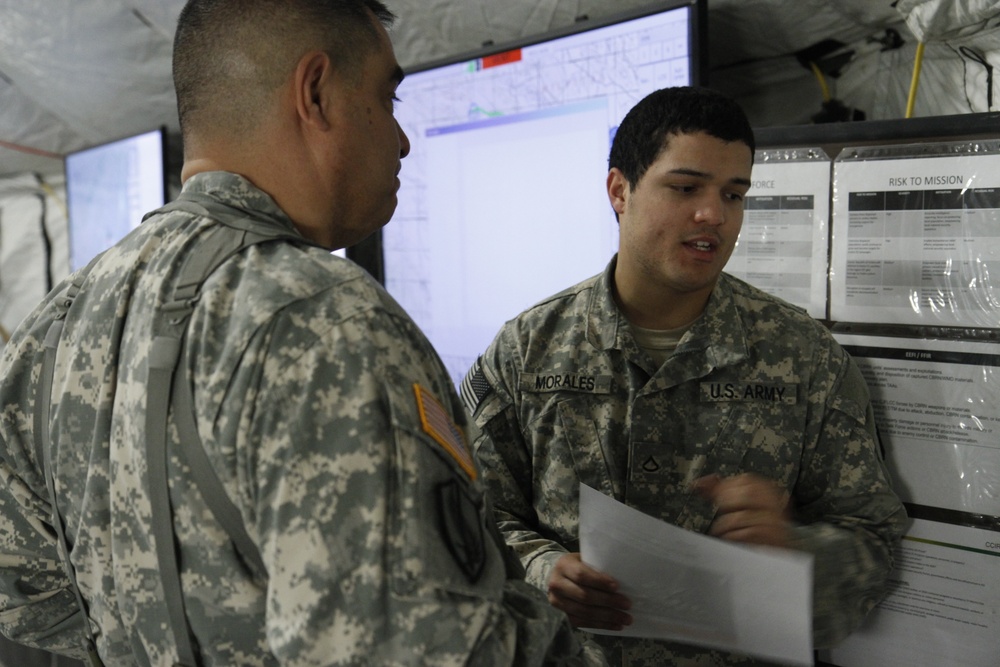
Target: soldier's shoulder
point(757, 306)
point(570, 301)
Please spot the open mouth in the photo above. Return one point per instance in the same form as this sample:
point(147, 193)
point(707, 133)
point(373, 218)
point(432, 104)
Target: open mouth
point(702, 245)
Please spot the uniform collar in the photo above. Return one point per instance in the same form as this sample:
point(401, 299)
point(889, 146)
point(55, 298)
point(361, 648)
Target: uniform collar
point(719, 334)
point(605, 323)
point(720, 331)
point(239, 193)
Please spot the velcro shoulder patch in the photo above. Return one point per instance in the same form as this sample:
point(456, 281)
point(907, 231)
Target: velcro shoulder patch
point(474, 387)
point(462, 526)
point(438, 424)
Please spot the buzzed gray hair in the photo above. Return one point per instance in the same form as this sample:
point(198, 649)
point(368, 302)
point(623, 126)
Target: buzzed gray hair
point(230, 55)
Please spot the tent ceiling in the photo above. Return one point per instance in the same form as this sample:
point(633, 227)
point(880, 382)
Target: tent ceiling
point(78, 72)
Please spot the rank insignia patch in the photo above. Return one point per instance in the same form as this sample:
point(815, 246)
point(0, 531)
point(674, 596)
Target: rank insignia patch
point(438, 424)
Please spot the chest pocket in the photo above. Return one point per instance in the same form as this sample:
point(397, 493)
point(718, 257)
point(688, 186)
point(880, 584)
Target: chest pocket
point(660, 473)
point(439, 539)
point(584, 443)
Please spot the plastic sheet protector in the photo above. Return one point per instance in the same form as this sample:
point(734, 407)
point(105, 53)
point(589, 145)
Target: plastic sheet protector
point(916, 235)
point(942, 604)
point(937, 405)
point(783, 245)
point(697, 589)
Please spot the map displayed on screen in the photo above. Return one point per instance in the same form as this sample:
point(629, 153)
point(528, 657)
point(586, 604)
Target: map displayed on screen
point(502, 199)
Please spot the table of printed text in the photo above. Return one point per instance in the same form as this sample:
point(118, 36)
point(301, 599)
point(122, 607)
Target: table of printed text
point(923, 250)
point(775, 250)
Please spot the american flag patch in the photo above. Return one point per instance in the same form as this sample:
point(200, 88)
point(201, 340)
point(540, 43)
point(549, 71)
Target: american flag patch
point(474, 387)
point(436, 423)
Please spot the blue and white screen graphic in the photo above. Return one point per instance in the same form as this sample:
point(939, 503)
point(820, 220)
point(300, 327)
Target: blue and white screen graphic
point(502, 199)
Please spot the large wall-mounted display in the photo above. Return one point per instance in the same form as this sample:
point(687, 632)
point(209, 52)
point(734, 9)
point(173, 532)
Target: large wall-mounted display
point(502, 198)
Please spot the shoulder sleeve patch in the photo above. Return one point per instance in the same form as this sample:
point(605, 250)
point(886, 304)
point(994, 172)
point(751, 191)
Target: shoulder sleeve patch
point(474, 387)
point(462, 527)
point(438, 424)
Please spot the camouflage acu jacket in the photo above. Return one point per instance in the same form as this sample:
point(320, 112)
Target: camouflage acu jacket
point(335, 431)
point(564, 395)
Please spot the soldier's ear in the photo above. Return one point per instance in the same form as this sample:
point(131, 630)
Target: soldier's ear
point(618, 189)
point(313, 87)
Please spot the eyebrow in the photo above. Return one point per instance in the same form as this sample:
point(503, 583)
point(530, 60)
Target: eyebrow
point(683, 171)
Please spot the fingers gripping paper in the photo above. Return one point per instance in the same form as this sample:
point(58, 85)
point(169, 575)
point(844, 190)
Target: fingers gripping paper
point(696, 589)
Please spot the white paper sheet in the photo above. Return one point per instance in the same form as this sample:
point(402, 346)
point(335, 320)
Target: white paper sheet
point(914, 240)
point(696, 589)
point(942, 605)
point(783, 246)
point(937, 404)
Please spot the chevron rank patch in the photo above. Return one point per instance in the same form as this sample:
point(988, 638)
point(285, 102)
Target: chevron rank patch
point(438, 424)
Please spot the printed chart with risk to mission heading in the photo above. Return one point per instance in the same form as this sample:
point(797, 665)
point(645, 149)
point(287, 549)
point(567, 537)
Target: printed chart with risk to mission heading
point(915, 238)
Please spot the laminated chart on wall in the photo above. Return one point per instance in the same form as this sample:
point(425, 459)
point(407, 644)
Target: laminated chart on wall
point(783, 247)
point(937, 406)
point(941, 607)
point(916, 235)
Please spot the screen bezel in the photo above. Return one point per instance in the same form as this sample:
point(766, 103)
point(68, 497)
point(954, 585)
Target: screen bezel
point(697, 36)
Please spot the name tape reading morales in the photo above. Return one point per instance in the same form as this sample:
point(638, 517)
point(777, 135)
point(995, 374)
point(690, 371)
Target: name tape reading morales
point(594, 384)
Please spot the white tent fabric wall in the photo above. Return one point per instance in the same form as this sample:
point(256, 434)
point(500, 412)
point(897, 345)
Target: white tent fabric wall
point(33, 247)
point(938, 20)
point(778, 90)
point(74, 73)
point(81, 72)
point(752, 47)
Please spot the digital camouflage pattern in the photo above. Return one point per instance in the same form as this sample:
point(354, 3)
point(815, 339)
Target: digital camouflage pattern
point(306, 378)
point(564, 395)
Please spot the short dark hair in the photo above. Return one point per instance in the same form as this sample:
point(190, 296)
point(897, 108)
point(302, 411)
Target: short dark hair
point(646, 128)
point(229, 54)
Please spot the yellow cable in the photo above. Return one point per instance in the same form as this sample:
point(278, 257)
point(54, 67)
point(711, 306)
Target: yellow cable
point(822, 81)
point(50, 191)
point(918, 59)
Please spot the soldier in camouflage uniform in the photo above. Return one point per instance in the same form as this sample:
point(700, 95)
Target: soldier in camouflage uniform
point(322, 408)
point(684, 393)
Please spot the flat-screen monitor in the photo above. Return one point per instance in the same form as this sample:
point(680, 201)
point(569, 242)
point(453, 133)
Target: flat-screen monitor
point(502, 199)
point(109, 187)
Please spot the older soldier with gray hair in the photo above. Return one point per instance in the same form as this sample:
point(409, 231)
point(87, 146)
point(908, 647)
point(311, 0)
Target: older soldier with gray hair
point(220, 444)
point(684, 393)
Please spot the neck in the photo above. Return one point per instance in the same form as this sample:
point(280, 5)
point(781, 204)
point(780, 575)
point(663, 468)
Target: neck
point(270, 170)
point(201, 165)
point(652, 307)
